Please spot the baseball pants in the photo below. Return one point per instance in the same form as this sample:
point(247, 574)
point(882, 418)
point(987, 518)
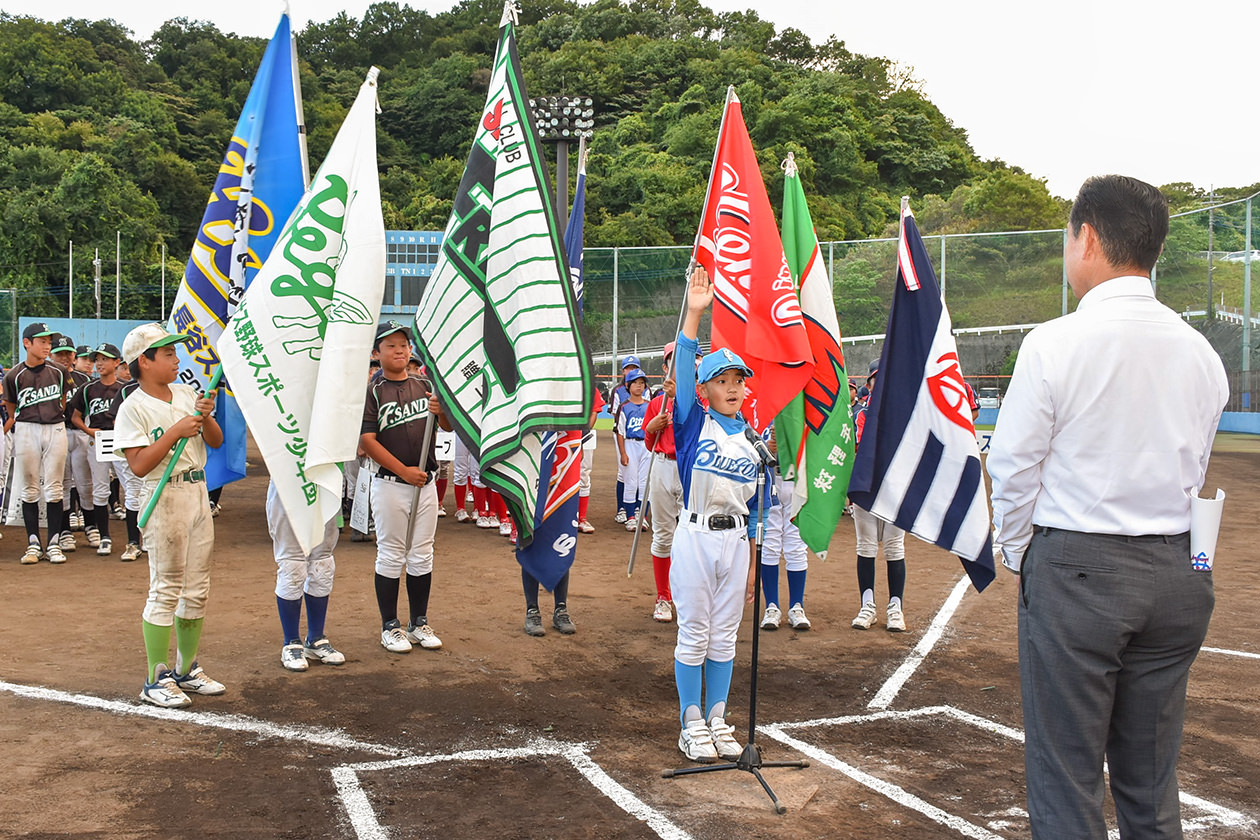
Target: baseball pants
point(782, 537)
point(40, 450)
point(99, 497)
point(588, 461)
point(79, 454)
point(393, 503)
point(296, 571)
point(132, 485)
point(708, 578)
point(635, 473)
point(180, 542)
point(871, 531)
point(665, 494)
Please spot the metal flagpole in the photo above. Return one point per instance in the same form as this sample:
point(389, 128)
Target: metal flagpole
point(415, 491)
point(176, 451)
point(70, 296)
point(691, 265)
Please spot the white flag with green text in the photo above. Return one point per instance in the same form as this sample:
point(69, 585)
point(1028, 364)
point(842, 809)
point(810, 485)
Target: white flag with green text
point(297, 348)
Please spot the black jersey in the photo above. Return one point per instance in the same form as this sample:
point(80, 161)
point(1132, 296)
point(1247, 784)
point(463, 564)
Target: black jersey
point(75, 380)
point(98, 403)
point(397, 412)
point(38, 392)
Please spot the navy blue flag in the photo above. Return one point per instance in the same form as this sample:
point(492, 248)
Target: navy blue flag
point(918, 464)
point(550, 554)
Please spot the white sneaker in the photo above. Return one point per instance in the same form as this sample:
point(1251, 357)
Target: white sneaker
point(164, 692)
point(462, 515)
point(117, 512)
point(484, 522)
point(215, 510)
point(585, 527)
point(423, 636)
point(696, 742)
point(93, 536)
point(663, 613)
point(66, 542)
point(32, 554)
point(393, 639)
point(896, 620)
point(796, 617)
point(321, 650)
point(621, 516)
point(105, 547)
point(632, 524)
point(492, 520)
point(505, 528)
point(197, 681)
point(865, 617)
point(441, 511)
point(291, 657)
point(131, 552)
point(469, 499)
point(772, 618)
point(724, 739)
point(55, 554)
point(76, 520)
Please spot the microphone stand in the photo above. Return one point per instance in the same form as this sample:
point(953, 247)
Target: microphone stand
point(750, 759)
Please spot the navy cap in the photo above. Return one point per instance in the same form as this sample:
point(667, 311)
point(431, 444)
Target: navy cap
point(872, 367)
point(389, 328)
point(718, 361)
point(38, 330)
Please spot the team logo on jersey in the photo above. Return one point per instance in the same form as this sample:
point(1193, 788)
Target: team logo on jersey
point(100, 405)
point(710, 460)
point(948, 392)
point(34, 396)
point(391, 415)
point(634, 424)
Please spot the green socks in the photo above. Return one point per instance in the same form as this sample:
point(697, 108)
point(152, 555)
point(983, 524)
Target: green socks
point(187, 640)
point(157, 642)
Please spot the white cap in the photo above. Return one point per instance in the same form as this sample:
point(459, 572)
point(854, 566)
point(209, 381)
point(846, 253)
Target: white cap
point(147, 336)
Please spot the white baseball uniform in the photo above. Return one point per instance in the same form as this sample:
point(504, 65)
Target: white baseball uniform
point(296, 571)
point(781, 536)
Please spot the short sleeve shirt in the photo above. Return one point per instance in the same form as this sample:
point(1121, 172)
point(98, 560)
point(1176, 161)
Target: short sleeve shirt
point(397, 412)
point(38, 392)
point(142, 419)
point(98, 403)
point(75, 381)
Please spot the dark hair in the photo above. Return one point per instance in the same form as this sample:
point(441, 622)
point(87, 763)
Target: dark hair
point(1130, 217)
point(134, 367)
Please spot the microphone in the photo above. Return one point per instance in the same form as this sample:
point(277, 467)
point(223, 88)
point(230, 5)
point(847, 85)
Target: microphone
point(763, 451)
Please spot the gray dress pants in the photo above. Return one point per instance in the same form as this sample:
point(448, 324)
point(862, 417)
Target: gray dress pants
point(1108, 628)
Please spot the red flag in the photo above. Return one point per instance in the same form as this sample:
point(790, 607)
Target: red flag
point(756, 310)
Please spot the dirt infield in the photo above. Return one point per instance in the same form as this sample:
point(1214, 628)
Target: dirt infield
point(505, 736)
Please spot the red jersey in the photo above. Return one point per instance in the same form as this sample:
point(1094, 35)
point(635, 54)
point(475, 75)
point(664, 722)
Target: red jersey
point(662, 441)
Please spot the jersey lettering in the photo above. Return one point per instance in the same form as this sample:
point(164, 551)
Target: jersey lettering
point(710, 460)
point(33, 396)
point(396, 414)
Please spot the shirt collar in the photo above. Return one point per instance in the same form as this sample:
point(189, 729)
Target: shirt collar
point(1134, 285)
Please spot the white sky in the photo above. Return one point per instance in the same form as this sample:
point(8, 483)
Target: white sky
point(1162, 91)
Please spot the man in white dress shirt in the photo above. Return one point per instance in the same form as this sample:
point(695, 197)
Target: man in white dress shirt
point(1103, 438)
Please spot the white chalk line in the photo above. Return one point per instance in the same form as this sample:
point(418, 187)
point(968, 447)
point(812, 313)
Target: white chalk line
point(313, 735)
point(366, 826)
point(888, 692)
point(1216, 815)
point(353, 798)
point(1227, 652)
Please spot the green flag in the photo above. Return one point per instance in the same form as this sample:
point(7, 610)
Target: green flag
point(815, 431)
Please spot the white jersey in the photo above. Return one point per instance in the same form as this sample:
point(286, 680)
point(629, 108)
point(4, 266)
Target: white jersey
point(143, 419)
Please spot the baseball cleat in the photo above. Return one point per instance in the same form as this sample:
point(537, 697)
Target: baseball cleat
point(196, 681)
point(66, 542)
point(424, 636)
point(865, 617)
point(663, 612)
point(441, 511)
point(164, 692)
point(75, 520)
point(561, 621)
point(484, 522)
point(724, 739)
point(105, 547)
point(770, 621)
point(621, 516)
point(462, 515)
point(32, 554)
point(505, 528)
point(93, 536)
point(321, 650)
point(493, 519)
point(696, 742)
point(632, 524)
point(896, 622)
point(533, 622)
point(117, 512)
point(585, 527)
point(131, 552)
point(291, 657)
point(393, 639)
point(55, 554)
point(796, 618)
point(215, 510)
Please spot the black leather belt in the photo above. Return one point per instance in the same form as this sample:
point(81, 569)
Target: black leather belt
point(718, 521)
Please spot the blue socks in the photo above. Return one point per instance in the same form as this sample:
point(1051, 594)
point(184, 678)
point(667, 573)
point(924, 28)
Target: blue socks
point(770, 583)
point(290, 618)
point(796, 587)
point(688, 678)
point(621, 495)
point(717, 686)
point(316, 613)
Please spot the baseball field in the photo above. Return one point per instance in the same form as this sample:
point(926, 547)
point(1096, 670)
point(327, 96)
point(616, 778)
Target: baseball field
point(499, 735)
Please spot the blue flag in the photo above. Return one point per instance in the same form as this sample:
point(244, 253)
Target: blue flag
point(550, 554)
point(917, 463)
point(261, 180)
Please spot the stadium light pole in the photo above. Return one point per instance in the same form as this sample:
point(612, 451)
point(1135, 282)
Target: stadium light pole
point(561, 120)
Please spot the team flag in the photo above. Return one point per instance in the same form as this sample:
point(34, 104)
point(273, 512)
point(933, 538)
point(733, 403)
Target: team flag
point(497, 325)
point(550, 553)
point(919, 465)
point(756, 311)
point(261, 180)
point(815, 430)
point(296, 346)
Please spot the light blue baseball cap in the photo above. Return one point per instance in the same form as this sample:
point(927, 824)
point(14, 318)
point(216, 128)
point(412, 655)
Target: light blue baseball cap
point(718, 361)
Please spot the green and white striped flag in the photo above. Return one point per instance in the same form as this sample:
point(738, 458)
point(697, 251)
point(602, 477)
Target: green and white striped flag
point(815, 431)
point(496, 326)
